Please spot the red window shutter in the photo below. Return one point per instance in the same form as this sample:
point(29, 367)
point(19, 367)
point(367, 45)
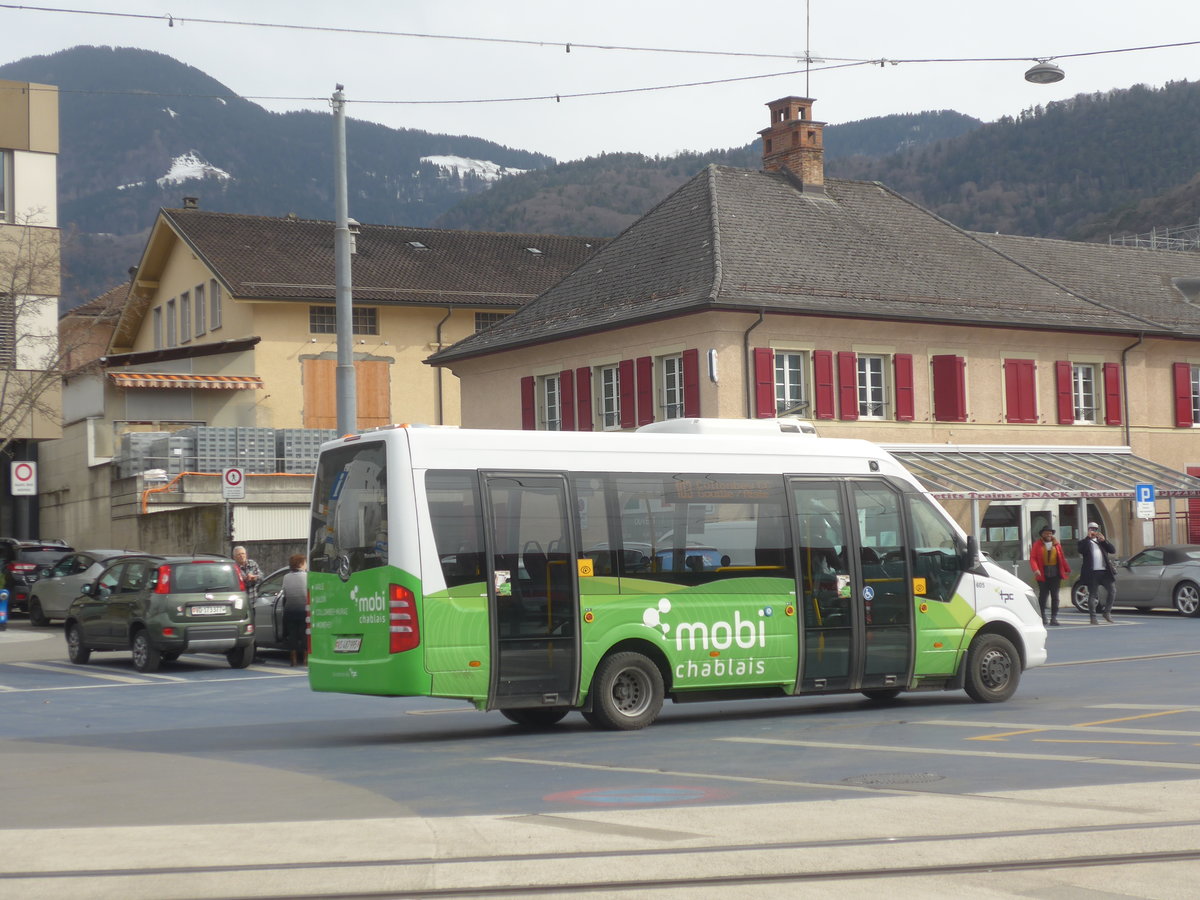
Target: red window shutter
point(847, 366)
point(528, 404)
point(903, 365)
point(1112, 394)
point(626, 393)
point(1183, 395)
point(1020, 394)
point(645, 390)
point(566, 398)
point(1066, 395)
point(691, 383)
point(949, 388)
point(764, 383)
point(823, 384)
point(583, 399)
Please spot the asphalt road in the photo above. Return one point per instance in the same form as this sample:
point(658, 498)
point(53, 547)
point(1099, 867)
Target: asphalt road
point(204, 781)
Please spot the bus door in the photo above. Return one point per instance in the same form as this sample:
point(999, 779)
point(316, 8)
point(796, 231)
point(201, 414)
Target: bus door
point(852, 585)
point(533, 594)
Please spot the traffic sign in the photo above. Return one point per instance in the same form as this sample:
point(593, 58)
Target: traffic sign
point(23, 477)
point(1144, 494)
point(233, 483)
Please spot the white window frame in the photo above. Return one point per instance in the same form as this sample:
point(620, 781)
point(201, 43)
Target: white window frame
point(550, 403)
point(609, 390)
point(6, 186)
point(214, 302)
point(170, 326)
point(1195, 395)
point(670, 370)
point(185, 317)
point(873, 386)
point(201, 310)
point(1083, 389)
point(156, 321)
point(791, 383)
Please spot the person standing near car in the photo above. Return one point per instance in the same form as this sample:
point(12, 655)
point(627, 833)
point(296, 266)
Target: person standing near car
point(1098, 570)
point(1050, 567)
point(251, 573)
point(295, 608)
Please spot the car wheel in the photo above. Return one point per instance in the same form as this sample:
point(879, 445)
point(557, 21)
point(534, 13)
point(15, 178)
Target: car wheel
point(36, 617)
point(883, 695)
point(534, 718)
point(77, 651)
point(146, 657)
point(1186, 598)
point(240, 657)
point(1079, 596)
point(993, 669)
point(627, 692)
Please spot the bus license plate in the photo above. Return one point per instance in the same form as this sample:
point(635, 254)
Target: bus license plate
point(208, 610)
point(347, 644)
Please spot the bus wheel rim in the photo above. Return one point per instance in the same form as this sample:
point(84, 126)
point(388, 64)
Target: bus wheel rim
point(995, 669)
point(631, 692)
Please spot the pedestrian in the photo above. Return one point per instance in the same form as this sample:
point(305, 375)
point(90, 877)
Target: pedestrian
point(251, 573)
point(295, 608)
point(1050, 567)
point(1098, 570)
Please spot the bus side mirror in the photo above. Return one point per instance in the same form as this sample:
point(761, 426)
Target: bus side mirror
point(970, 556)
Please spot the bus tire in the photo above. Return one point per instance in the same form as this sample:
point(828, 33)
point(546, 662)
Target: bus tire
point(535, 717)
point(627, 692)
point(882, 695)
point(993, 669)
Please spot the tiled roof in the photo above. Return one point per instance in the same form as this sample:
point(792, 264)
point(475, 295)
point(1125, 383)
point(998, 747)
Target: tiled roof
point(739, 238)
point(1163, 285)
point(107, 306)
point(261, 257)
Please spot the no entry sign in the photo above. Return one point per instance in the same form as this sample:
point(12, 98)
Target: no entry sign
point(23, 477)
point(233, 483)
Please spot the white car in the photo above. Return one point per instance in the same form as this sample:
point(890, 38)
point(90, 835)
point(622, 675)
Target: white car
point(59, 584)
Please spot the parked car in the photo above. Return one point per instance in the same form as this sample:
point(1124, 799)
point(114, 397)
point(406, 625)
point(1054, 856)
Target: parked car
point(59, 584)
point(22, 561)
point(159, 607)
point(1164, 576)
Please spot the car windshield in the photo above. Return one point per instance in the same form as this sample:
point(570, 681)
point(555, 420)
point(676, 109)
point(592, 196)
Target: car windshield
point(202, 577)
point(43, 557)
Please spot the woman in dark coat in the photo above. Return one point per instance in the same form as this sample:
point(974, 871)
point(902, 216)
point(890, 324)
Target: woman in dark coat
point(295, 608)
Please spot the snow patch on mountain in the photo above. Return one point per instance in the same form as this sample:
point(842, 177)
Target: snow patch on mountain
point(190, 167)
point(481, 168)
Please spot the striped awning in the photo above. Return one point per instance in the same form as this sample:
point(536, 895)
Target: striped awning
point(165, 380)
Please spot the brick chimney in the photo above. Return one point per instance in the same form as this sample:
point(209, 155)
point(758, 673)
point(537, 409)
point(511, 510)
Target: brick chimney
point(793, 142)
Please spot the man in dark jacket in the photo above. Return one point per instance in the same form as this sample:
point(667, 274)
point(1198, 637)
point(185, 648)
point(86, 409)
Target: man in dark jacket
point(1097, 570)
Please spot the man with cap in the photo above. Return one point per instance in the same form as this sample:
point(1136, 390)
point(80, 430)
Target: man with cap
point(1098, 570)
point(1050, 567)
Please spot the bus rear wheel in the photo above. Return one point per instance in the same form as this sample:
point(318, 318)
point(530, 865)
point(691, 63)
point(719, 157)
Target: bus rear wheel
point(993, 669)
point(534, 717)
point(627, 693)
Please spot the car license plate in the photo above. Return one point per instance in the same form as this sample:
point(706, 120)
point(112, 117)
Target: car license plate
point(208, 610)
point(347, 644)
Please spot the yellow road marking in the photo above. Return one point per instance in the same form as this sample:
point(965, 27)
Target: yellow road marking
point(1165, 712)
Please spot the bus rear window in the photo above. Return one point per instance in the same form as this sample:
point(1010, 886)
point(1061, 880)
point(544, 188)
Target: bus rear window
point(350, 520)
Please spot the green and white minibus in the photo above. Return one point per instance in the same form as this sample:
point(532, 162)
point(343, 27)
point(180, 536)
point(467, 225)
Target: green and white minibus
point(537, 572)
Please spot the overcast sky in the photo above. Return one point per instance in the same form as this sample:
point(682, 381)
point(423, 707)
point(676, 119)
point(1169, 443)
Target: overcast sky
point(259, 62)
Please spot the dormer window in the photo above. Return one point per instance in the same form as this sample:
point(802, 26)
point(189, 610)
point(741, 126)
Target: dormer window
point(417, 245)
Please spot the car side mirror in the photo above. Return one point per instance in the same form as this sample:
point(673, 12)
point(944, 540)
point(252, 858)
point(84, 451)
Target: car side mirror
point(86, 589)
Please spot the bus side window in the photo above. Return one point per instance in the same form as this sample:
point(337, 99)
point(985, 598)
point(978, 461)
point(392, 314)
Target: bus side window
point(936, 550)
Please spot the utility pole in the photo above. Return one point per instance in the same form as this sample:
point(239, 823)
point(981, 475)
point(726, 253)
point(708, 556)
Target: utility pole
point(347, 389)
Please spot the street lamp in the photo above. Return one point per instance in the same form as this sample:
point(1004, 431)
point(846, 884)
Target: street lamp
point(1045, 72)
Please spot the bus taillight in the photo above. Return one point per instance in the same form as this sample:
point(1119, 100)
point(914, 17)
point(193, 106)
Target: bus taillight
point(402, 620)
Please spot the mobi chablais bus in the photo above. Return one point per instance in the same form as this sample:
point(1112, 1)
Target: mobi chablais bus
point(537, 573)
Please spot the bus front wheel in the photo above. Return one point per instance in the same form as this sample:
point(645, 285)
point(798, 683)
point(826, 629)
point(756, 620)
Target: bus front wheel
point(627, 693)
point(534, 717)
point(993, 669)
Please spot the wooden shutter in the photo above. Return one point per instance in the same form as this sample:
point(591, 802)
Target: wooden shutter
point(691, 383)
point(320, 393)
point(847, 366)
point(949, 388)
point(645, 390)
point(1183, 395)
point(566, 399)
point(626, 394)
point(1066, 394)
point(583, 399)
point(373, 392)
point(823, 384)
point(902, 364)
point(1112, 394)
point(764, 383)
point(1020, 391)
point(373, 389)
point(528, 404)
